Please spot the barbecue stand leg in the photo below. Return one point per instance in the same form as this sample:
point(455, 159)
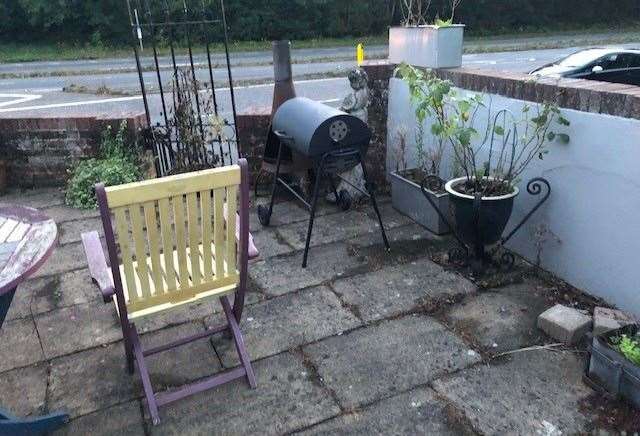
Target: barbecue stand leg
point(312, 212)
point(264, 214)
point(370, 187)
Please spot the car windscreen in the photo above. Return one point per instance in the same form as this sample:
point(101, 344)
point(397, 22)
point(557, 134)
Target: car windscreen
point(581, 58)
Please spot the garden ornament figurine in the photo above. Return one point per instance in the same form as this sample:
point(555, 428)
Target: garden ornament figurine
point(355, 103)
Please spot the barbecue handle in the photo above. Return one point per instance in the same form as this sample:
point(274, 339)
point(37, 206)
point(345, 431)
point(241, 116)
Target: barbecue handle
point(282, 135)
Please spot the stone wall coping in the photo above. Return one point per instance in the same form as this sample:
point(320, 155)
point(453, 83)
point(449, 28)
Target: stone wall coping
point(578, 94)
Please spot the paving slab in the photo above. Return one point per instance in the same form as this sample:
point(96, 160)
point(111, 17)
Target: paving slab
point(20, 344)
point(391, 218)
point(54, 292)
point(196, 311)
point(269, 243)
point(398, 289)
point(38, 198)
point(284, 212)
point(501, 319)
point(175, 367)
point(61, 214)
point(65, 258)
point(518, 396)
point(23, 391)
point(71, 231)
point(280, 275)
point(286, 322)
point(377, 361)
point(414, 413)
point(91, 380)
point(76, 328)
point(566, 324)
point(329, 228)
point(123, 419)
point(287, 398)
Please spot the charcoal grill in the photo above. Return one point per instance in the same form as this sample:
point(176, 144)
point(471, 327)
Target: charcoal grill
point(333, 141)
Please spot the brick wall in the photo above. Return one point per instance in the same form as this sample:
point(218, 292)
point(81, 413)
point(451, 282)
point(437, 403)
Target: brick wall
point(252, 134)
point(40, 151)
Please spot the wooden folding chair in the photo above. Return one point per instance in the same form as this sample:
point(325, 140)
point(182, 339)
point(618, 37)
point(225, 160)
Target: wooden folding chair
point(171, 245)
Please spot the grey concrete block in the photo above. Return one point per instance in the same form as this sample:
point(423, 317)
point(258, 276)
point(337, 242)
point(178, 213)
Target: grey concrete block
point(564, 323)
point(605, 320)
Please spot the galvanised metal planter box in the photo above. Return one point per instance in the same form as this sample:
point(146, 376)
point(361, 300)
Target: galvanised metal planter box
point(612, 371)
point(407, 198)
point(427, 46)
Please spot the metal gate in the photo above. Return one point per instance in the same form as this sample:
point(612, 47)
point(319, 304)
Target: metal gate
point(191, 117)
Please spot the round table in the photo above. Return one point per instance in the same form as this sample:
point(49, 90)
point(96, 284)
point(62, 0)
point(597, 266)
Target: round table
point(27, 239)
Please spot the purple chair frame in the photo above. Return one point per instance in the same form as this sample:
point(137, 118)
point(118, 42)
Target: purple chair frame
point(133, 350)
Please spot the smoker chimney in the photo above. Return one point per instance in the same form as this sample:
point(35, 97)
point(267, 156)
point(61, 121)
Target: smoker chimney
point(283, 89)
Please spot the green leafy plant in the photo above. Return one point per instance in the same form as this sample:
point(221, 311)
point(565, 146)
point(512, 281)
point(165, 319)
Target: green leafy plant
point(117, 163)
point(510, 142)
point(628, 346)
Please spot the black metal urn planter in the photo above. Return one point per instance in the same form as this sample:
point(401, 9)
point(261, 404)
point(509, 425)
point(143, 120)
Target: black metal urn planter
point(610, 370)
point(480, 221)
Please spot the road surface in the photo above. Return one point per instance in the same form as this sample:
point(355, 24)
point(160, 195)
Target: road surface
point(39, 92)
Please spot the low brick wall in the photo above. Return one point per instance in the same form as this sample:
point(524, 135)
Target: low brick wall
point(41, 150)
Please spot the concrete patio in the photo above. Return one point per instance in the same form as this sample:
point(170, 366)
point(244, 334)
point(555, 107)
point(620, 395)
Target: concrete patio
point(361, 342)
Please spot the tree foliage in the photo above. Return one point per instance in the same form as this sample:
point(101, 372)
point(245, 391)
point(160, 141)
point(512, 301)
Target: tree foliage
point(106, 21)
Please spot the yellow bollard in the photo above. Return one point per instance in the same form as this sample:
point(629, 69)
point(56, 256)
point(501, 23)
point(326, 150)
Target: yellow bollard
point(360, 54)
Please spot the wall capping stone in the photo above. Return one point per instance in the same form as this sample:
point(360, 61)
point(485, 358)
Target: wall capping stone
point(578, 94)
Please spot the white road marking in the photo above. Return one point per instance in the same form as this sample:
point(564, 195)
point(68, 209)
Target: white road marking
point(18, 98)
point(132, 98)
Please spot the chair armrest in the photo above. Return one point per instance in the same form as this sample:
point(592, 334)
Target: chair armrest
point(253, 250)
point(98, 265)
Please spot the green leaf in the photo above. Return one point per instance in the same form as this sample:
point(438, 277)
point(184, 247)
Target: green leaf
point(562, 120)
point(499, 130)
point(563, 137)
point(551, 136)
point(540, 120)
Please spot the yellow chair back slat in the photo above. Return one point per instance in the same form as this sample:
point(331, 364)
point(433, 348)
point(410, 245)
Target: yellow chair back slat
point(218, 229)
point(176, 237)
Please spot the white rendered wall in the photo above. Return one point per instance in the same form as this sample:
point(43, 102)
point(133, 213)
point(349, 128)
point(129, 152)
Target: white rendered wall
point(594, 208)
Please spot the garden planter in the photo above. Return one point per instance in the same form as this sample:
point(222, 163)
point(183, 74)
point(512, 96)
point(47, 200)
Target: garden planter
point(612, 371)
point(481, 224)
point(427, 46)
point(407, 198)
point(3, 176)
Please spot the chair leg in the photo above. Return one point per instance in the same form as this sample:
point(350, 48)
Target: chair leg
point(144, 375)
point(239, 342)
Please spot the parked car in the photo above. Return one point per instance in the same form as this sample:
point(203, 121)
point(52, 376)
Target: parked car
point(617, 65)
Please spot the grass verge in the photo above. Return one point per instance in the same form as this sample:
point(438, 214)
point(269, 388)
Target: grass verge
point(15, 52)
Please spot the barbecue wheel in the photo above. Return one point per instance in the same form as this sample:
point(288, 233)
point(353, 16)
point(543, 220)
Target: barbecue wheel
point(344, 199)
point(263, 215)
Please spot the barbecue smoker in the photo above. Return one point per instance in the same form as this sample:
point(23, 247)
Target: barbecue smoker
point(333, 141)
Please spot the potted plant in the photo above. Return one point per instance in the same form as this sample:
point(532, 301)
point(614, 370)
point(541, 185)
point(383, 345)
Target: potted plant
point(490, 151)
point(406, 193)
point(615, 362)
point(436, 45)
